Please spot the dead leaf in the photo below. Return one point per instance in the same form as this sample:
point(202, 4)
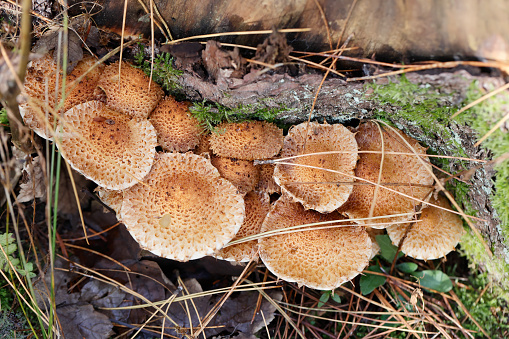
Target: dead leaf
point(50, 40)
point(78, 319)
point(33, 185)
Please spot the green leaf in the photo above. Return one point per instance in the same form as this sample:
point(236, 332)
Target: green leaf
point(324, 298)
point(387, 249)
point(369, 282)
point(407, 267)
point(336, 298)
point(434, 279)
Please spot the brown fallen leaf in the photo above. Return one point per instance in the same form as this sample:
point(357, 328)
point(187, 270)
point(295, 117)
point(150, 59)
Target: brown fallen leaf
point(33, 184)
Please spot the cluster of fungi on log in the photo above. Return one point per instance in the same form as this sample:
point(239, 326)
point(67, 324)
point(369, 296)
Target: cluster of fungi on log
point(202, 191)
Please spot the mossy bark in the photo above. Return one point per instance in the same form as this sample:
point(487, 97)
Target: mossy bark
point(419, 104)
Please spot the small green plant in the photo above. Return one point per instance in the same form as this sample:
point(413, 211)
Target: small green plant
point(433, 279)
point(4, 120)
point(163, 72)
point(209, 115)
point(9, 247)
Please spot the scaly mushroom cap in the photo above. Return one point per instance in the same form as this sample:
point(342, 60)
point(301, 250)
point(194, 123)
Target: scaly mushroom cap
point(177, 130)
point(183, 210)
point(130, 93)
point(203, 145)
point(110, 148)
point(243, 174)
point(435, 235)
point(321, 259)
point(297, 181)
point(257, 207)
point(41, 84)
point(247, 140)
point(404, 170)
point(112, 198)
point(266, 182)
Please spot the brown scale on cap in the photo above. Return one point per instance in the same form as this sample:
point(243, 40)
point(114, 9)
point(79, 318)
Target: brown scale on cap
point(129, 93)
point(243, 174)
point(320, 259)
point(404, 170)
point(266, 182)
point(177, 130)
point(435, 235)
point(247, 140)
point(257, 207)
point(183, 210)
point(297, 181)
point(42, 73)
point(110, 148)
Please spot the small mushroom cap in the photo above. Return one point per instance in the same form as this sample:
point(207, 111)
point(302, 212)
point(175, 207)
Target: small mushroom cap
point(437, 233)
point(130, 93)
point(243, 174)
point(112, 198)
point(177, 130)
point(203, 145)
point(247, 140)
point(266, 182)
point(404, 170)
point(257, 207)
point(297, 181)
point(41, 84)
point(183, 210)
point(321, 259)
point(110, 148)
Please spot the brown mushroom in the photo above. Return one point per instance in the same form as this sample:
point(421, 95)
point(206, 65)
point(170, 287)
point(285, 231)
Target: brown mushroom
point(257, 207)
point(322, 259)
point(130, 92)
point(177, 130)
point(110, 148)
point(44, 93)
point(243, 174)
point(183, 210)
point(436, 233)
point(401, 173)
point(247, 140)
point(319, 181)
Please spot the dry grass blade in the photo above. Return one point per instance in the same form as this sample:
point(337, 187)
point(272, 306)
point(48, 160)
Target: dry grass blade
point(481, 99)
point(493, 129)
point(215, 35)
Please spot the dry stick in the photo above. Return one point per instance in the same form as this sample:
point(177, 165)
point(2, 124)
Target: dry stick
point(97, 253)
point(481, 99)
point(343, 29)
point(415, 68)
point(325, 23)
point(400, 317)
point(456, 320)
point(493, 129)
point(375, 193)
point(448, 195)
point(214, 35)
point(318, 92)
point(124, 16)
point(152, 49)
point(152, 17)
point(458, 301)
point(181, 283)
point(467, 174)
point(460, 212)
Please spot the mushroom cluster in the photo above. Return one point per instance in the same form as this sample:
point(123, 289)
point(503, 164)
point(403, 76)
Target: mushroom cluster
point(333, 188)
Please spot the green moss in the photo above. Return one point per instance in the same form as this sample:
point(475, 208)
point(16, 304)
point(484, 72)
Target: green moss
point(421, 106)
point(427, 112)
point(482, 118)
point(209, 115)
point(162, 72)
